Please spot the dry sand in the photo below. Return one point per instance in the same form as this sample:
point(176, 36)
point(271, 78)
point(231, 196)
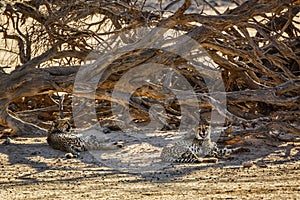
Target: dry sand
point(30, 169)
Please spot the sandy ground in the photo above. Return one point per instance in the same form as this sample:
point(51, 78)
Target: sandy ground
point(30, 169)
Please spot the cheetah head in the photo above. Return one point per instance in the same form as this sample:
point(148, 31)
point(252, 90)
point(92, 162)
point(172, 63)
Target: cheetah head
point(202, 132)
point(60, 126)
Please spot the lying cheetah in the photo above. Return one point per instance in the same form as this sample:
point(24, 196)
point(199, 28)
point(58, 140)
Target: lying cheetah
point(60, 137)
point(197, 150)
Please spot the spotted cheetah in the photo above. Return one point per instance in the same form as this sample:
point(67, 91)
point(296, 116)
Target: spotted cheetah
point(198, 150)
point(60, 137)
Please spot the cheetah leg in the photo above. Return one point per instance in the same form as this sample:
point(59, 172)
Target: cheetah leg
point(193, 160)
point(104, 146)
point(112, 145)
point(196, 159)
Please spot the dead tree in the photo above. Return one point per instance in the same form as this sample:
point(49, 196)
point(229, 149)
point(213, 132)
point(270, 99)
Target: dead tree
point(255, 46)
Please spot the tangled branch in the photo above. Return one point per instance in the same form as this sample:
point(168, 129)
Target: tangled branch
point(254, 45)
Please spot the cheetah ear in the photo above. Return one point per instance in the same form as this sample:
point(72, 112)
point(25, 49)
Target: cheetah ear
point(67, 126)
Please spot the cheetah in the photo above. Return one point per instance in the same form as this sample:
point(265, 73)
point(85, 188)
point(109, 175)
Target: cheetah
point(61, 138)
point(198, 150)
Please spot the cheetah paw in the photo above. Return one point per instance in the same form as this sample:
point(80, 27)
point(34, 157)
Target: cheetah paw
point(71, 155)
point(119, 144)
